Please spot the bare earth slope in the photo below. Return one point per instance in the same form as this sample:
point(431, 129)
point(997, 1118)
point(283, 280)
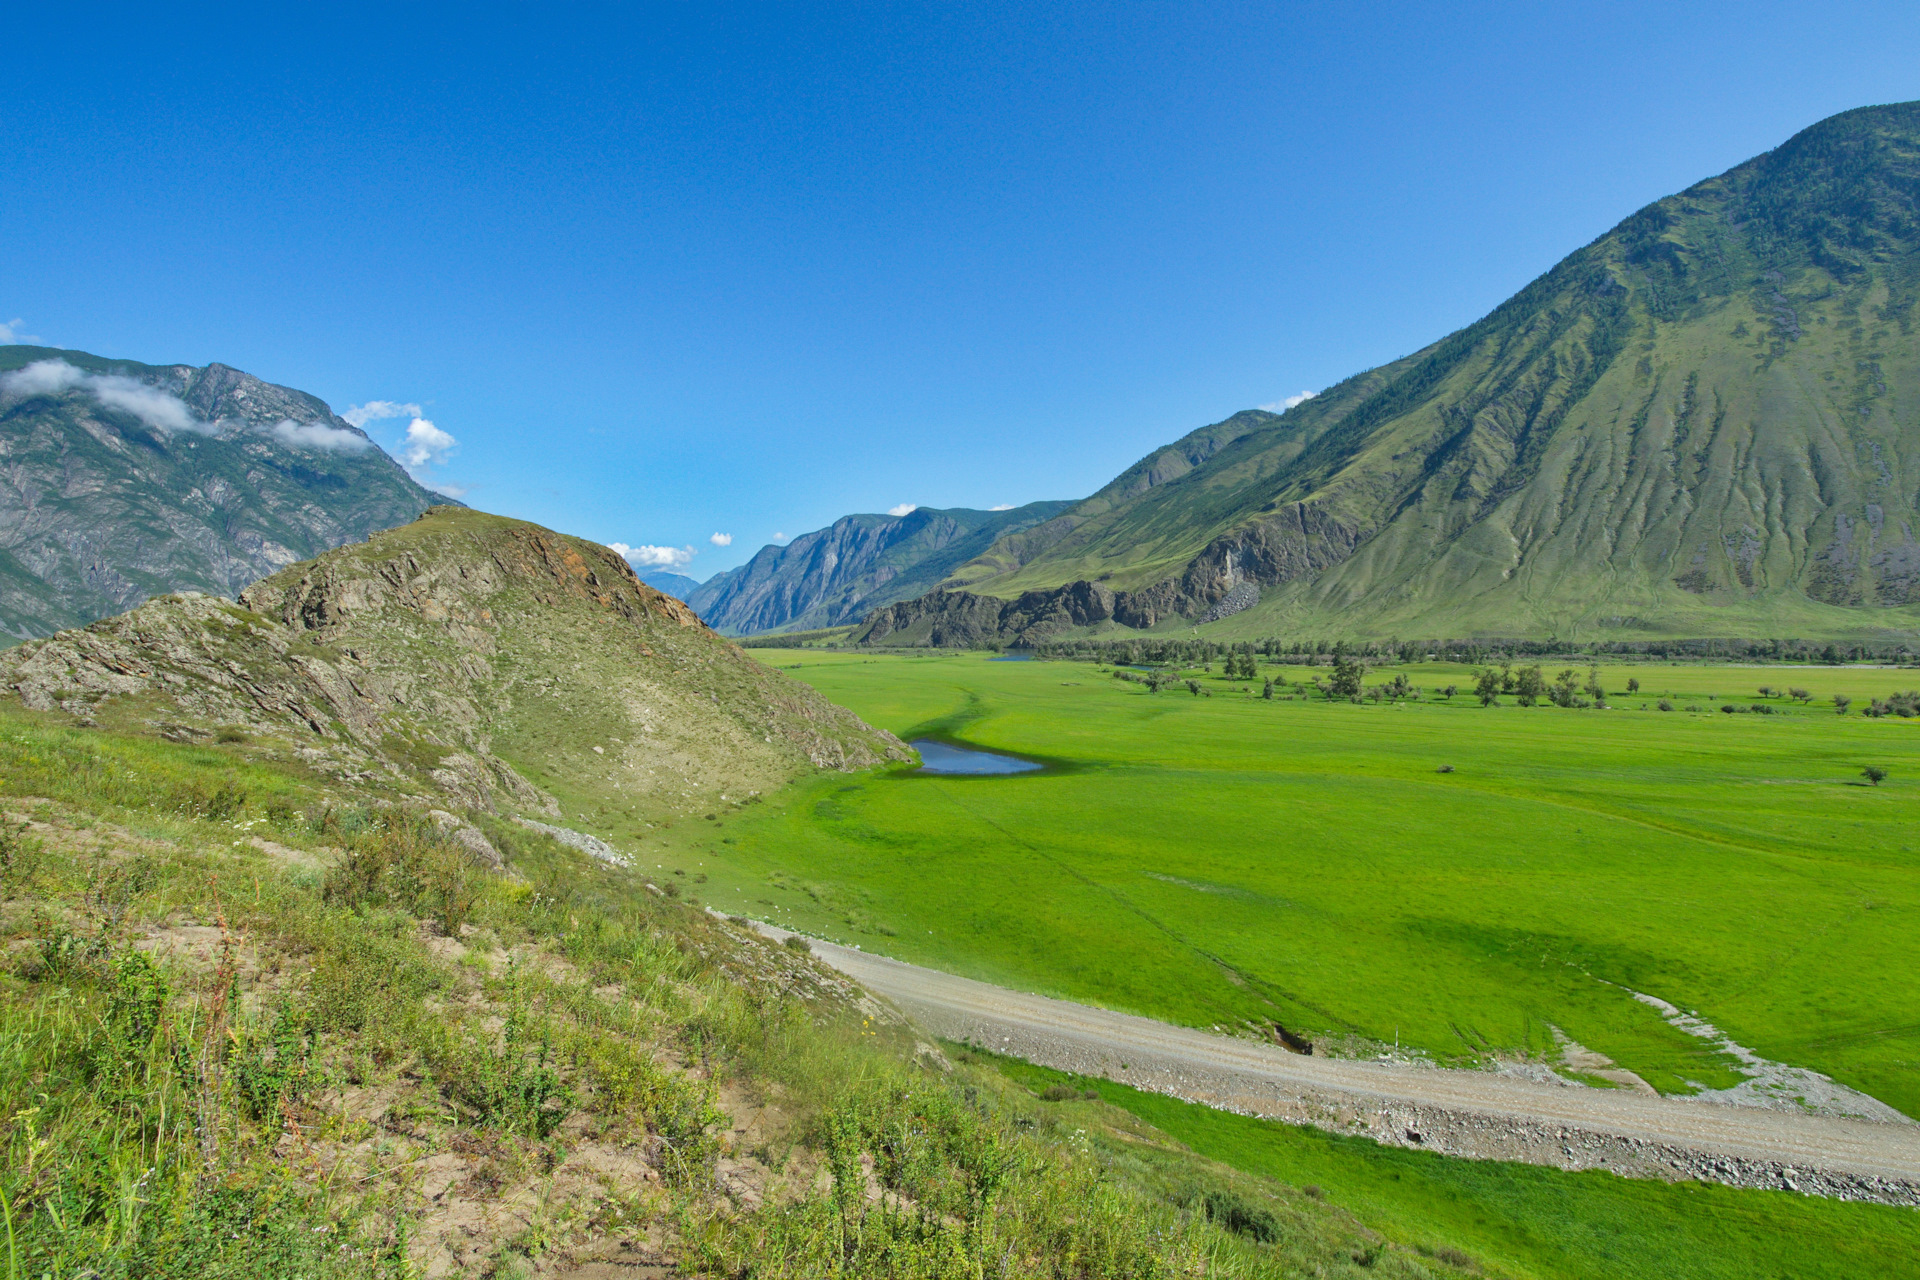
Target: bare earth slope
point(120, 481)
point(1706, 422)
point(474, 656)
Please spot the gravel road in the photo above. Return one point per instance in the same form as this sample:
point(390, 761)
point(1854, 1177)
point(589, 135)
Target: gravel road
point(1481, 1114)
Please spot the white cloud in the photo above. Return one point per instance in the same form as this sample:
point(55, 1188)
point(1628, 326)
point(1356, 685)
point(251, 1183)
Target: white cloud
point(779, 537)
point(1287, 402)
point(447, 490)
point(159, 409)
point(151, 405)
point(42, 378)
point(318, 435)
point(650, 557)
point(425, 444)
point(10, 332)
point(1005, 506)
point(375, 410)
point(904, 509)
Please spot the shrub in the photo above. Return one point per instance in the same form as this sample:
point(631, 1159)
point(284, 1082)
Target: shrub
point(270, 1063)
point(1874, 774)
point(512, 1086)
point(1664, 705)
point(795, 942)
point(1228, 1210)
point(1529, 685)
point(1841, 702)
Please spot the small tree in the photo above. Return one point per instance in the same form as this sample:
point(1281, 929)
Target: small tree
point(1799, 695)
point(1766, 691)
point(1347, 675)
point(1633, 685)
point(1486, 686)
point(1193, 687)
point(1593, 687)
point(1566, 687)
point(1267, 692)
point(1840, 703)
point(1874, 774)
point(1529, 685)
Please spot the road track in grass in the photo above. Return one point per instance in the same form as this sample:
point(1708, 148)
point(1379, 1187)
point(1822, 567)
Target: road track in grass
point(1481, 1114)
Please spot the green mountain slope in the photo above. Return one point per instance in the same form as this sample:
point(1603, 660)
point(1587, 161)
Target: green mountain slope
point(482, 659)
point(838, 574)
point(1706, 422)
point(120, 481)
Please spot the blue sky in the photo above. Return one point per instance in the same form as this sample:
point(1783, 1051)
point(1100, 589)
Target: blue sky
point(666, 272)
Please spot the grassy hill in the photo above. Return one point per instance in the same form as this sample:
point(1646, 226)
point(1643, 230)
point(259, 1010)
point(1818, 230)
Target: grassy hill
point(480, 659)
point(1703, 423)
point(125, 481)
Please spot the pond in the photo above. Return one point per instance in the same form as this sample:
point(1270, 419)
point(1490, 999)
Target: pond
point(945, 757)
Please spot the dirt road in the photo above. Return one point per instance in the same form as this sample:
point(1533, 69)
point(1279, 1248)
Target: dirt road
point(1470, 1113)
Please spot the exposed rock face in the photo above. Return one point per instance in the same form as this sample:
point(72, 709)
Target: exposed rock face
point(121, 481)
point(493, 662)
point(1699, 424)
point(837, 575)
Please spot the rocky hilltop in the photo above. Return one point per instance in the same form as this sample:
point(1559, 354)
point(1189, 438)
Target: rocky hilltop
point(487, 660)
point(120, 481)
point(1703, 423)
point(837, 575)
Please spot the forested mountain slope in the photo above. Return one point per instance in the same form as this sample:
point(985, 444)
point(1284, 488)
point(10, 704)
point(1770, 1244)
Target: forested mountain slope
point(1706, 422)
point(838, 574)
point(120, 481)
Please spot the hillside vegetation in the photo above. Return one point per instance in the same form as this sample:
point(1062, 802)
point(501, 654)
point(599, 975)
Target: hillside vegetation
point(1703, 423)
point(124, 481)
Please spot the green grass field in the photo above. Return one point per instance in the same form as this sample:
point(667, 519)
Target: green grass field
point(1524, 1220)
point(1215, 859)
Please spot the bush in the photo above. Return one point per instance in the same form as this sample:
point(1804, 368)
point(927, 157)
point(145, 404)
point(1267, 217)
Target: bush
point(1874, 774)
point(795, 942)
point(1228, 1210)
point(1664, 705)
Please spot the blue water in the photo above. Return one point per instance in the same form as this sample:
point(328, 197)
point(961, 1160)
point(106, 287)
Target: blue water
point(944, 757)
point(1012, 657)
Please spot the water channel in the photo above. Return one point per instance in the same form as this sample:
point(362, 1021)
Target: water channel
point(945, 757)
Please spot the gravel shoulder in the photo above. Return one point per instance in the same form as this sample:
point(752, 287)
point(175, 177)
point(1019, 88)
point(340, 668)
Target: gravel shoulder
point(1476, 1114)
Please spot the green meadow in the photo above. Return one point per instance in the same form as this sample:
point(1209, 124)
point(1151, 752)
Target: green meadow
point(1225, 858)
point(1521, 1219)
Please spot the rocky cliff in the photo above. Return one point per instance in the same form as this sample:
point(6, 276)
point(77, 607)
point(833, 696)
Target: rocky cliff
point(120, 481)
point(488, 660)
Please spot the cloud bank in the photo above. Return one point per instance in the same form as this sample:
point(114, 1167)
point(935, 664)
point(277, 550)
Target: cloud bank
point(1287, 402)
point(904, 509)
point(1005, 506)
point(11, 332)
point(651, 557)
point(158, 409)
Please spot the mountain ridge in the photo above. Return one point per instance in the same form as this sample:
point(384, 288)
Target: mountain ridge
point(836, 575)
point(1702, 422)
point(121, 480)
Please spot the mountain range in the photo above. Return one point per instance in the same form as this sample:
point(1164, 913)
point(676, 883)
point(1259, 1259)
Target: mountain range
point(1706, 422)
point(120, 481)
point(839, 574)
